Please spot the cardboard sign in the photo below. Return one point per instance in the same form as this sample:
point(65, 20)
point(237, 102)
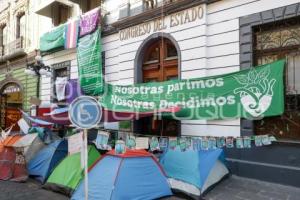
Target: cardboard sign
point(75, 143)
point(35, 101)
point(142, 143)
point(23, 126)
point(102, 140)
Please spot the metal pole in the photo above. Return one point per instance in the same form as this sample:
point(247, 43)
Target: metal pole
point(86, 191)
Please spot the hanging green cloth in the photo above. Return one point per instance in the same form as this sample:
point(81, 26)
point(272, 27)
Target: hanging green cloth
point(90, 64)
point(252, 93)
point(53, 39)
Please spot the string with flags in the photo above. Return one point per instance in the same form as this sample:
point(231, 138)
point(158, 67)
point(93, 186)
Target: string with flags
point(130, 140)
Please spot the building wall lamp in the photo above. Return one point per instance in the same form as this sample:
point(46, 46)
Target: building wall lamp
point(38, 68)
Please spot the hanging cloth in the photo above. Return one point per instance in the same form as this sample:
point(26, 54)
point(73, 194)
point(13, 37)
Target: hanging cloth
point(60, 87)
point(89, 22)
point(53, 39)
point(71, 34)
point(73, 90)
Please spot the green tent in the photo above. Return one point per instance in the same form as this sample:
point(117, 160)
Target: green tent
point(68, 174)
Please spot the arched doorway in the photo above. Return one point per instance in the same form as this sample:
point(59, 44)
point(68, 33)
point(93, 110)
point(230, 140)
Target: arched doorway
point(11, 103)
point(158, 62)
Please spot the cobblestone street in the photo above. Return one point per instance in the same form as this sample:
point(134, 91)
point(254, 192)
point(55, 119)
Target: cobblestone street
point(233, 188)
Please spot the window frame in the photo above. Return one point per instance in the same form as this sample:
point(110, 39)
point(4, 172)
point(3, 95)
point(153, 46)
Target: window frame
point(55, 67)
point(18, 24)
point(280, 52)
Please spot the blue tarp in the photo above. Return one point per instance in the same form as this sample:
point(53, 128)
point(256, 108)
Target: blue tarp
point(41, 166)
point(45, 134)
point(190, 166)
point(115, 178)
point(37, 121)
point(57, 111)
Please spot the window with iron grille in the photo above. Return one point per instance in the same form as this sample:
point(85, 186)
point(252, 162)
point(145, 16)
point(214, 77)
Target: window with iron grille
point(60, 70)
point(281, 40)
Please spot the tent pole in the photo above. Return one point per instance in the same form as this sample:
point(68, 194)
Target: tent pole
point(86, 192)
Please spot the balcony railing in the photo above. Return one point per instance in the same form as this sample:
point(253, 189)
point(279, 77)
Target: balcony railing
point(152, 4)
point(129, 10)
point(15, 46)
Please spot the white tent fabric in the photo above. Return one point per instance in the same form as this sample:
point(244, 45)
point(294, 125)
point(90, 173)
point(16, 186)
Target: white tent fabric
point(193, 171)
point(6, 132)
point(216, 174)
point(30, 144)
point(183, 186)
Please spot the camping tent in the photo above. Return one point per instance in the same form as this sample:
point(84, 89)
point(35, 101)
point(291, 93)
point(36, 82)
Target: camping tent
point(133, 175)
point(12, 163)
point(45, 134)
point(193, 172)
point(47, 159)
point(9, 141)
point(29, 145)
point(5, 132)
point(67, 175)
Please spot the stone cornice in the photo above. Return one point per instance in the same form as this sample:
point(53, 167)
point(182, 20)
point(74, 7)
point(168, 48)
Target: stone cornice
point(20, 7)
point(152, 14)
point(156, 12)
point(4, 16)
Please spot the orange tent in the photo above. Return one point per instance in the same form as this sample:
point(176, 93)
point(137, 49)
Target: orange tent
point(9, 141)
point(12, 163)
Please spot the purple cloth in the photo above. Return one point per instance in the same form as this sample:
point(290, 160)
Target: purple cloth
point(89, 22)
point(73, 90)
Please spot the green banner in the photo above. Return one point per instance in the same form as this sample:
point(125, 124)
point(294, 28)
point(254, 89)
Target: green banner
point(252, 93)
point(90, 64)
point(53, 39)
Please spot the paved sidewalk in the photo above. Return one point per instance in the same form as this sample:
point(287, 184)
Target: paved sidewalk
point(30, 190)
point(233, 188)
point(236, 188)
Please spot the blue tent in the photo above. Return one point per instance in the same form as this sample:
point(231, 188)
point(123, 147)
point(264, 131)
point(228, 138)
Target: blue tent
point(193, 171)
point(41, 166)
point(133, 175)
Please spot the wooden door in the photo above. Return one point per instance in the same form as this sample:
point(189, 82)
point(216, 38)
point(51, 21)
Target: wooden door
point(160, 64)
point(2, 108)
point(12, 116)
point(11, 103)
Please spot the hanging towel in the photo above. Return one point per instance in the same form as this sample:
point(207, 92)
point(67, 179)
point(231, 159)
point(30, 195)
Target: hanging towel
point(89, 22)
point(60, 87)
point(71, 34)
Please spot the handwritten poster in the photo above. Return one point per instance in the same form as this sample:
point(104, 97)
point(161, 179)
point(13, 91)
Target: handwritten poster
point(75, 143)
point(142, 143)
